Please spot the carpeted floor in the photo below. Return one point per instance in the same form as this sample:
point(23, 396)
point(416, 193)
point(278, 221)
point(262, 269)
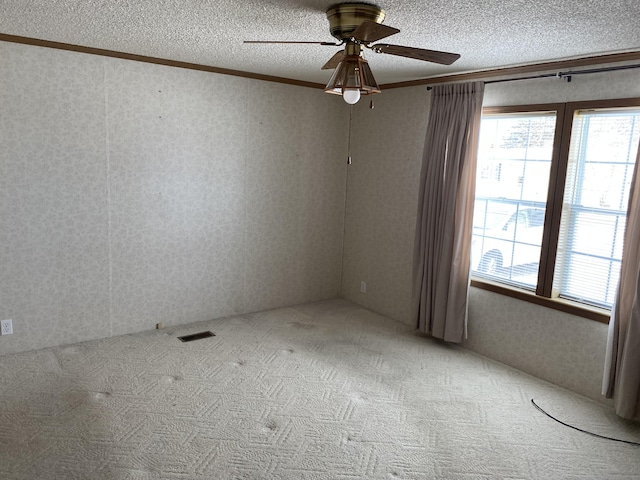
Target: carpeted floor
point(321, 391)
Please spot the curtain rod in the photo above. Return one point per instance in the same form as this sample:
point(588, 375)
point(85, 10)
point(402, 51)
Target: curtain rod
point(566, 76)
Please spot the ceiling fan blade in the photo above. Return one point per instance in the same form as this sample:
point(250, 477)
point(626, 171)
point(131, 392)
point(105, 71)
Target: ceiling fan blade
point(444, 58)
point(333, 61)
point(369, 31)
point(285, 41)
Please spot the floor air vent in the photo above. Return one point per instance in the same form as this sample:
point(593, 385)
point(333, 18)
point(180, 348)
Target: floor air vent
point(196, 336)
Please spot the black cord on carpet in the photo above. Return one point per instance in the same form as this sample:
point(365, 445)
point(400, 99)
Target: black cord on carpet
point(584, 431)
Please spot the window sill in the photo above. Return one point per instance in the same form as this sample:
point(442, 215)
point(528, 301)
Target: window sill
point(567, 306)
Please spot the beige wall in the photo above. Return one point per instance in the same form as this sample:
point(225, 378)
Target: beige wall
point(381, 206)
point(132, 194)
point(386, 147)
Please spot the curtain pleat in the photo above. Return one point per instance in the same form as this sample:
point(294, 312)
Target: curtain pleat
point(445, 210)
point(622, 362)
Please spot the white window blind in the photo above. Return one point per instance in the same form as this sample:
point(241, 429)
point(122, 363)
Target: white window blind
point(602, 155)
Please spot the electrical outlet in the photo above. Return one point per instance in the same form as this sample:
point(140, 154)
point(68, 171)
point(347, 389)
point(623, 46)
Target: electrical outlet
point(363, 287)
point(6, 327)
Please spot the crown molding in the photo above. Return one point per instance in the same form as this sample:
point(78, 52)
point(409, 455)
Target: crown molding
point(456, 77)
point(155, 60)
point(521, 69)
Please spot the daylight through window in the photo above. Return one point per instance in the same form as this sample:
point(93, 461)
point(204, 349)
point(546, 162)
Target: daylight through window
point(551, 197)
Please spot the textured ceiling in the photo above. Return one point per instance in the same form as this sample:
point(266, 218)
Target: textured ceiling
point(487, 33)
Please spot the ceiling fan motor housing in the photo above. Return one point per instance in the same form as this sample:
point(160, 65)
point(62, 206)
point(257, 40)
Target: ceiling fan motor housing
point(344, 18)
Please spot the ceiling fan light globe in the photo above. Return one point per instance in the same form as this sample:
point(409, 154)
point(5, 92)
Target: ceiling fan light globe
point(351, 95)
point(352, 78)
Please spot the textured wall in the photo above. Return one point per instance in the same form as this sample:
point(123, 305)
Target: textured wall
point(381, 206)
point(386, 148)
point(563, 349)
point(132, 194)
point(54, 225)
point(596, 86)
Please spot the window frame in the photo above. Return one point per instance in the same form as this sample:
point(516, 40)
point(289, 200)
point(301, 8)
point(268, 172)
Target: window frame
point(555, 195)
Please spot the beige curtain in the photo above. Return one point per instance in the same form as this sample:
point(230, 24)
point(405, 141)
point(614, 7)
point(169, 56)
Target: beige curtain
point(622, 361)
point(445, 210)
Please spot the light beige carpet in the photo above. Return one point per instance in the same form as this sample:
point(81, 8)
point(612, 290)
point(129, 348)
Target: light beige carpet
point(321, 391)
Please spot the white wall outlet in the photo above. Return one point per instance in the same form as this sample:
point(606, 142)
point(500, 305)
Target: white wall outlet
point(6, 327)
point(363, 287)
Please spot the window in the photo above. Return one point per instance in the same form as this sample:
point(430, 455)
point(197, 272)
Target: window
point(514, 161)
point(552, 188)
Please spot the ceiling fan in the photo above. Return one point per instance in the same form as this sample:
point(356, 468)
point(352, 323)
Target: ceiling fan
point(357, 26)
